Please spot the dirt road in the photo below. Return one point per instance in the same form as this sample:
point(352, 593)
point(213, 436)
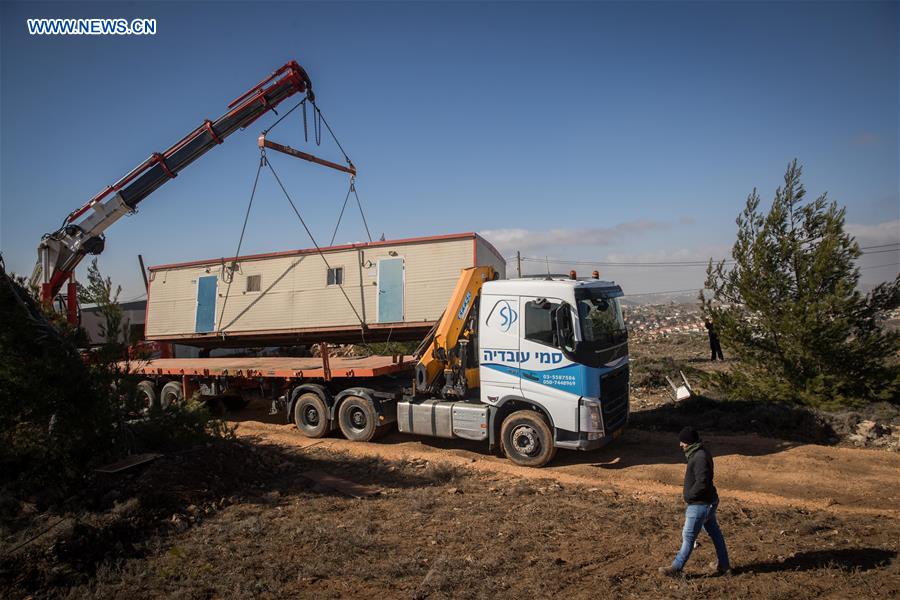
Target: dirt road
point(749, 468)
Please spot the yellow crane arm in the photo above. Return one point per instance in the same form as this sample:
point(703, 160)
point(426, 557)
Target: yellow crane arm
point(438, 355)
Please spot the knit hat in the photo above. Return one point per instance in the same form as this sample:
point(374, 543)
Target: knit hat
point(688, 435)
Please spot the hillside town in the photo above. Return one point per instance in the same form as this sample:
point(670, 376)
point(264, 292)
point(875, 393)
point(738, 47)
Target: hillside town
point(663, 319)
point(673, 318)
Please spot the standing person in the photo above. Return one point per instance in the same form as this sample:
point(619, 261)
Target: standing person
point(702, 500)
point(714, 346)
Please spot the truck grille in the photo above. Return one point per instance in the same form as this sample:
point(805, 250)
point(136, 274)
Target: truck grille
point(614, 399)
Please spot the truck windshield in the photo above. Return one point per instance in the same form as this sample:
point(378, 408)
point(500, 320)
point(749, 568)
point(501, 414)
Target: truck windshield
point(601, 319)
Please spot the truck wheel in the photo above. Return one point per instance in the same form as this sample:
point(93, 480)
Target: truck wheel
point(311, 415)
point(357, 419)
point(146, 395)
point(171, 394)
point(526, 439)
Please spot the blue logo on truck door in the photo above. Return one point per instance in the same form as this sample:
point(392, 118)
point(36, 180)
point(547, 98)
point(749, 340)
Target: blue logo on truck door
point(508, 317)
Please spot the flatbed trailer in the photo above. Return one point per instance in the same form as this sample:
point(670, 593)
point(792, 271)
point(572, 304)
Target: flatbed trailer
point(281, 367)
point(527, 366)
point(308, 389)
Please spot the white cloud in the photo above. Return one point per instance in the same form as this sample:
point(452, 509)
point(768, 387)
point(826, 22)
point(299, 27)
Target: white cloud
point(697, 254)
point(527, 239)
point(886, 232)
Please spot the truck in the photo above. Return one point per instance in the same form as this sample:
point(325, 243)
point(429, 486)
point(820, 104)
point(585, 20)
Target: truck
point(526, 365)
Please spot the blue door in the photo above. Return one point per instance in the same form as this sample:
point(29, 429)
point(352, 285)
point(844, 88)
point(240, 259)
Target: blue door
point(390, 290)
point(206, 303)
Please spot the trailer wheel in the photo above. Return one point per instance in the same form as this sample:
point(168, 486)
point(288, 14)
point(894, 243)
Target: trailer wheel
point(358, 420)
point(171, 394)
point(311, 415)
point(146, 395)
point(526, 439)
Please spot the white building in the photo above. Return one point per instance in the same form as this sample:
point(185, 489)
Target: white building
point(394, 289)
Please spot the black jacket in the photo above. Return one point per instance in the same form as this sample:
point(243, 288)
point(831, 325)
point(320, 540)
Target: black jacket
point(698, 478)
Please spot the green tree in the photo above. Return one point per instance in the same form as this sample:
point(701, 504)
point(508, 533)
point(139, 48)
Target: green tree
point(100, 292)
point(60, 415)
point(790, 311)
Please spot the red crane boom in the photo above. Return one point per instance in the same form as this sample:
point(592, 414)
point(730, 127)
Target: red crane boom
point(82, 231)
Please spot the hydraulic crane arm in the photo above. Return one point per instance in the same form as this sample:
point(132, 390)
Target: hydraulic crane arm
point(82, 231)
point(442, 365)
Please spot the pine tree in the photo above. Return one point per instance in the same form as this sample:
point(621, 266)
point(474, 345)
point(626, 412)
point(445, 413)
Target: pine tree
point(790, 311)
point(100, 291)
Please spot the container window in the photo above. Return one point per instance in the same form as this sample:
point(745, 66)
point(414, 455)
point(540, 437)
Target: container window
point(254, 283)
point(336, 276)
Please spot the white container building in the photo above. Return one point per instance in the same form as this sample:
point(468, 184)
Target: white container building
point(394, 289)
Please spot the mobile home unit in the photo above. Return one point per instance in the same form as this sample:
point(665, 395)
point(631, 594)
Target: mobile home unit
point(394, 289)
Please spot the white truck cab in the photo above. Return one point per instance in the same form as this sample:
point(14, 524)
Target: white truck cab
point(559, 347)
point(546, 362)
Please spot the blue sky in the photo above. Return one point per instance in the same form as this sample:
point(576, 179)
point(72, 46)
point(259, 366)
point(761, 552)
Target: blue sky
point(588, 131)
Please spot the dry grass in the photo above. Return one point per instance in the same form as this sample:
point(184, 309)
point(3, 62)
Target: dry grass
point(440, 532)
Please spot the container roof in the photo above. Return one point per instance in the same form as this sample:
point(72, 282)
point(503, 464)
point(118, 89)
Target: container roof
point(360, 245)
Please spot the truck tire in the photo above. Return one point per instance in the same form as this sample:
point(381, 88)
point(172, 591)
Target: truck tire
point(311, 415)
point(146, 395)
point(526, 439)
point(171, 394)
point(357, 420)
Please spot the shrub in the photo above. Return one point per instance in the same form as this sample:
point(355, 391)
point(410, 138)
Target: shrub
point(59, 416)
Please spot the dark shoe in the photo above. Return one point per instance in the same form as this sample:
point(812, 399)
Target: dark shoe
point(669, 572)
point(717, 572)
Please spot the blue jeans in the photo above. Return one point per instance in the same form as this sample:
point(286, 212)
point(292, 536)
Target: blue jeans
point(697, 517)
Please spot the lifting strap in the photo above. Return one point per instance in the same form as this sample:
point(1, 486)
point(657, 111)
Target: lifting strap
point(344, 206)
point(237, 253)
point(318, 121)
point(316, 244)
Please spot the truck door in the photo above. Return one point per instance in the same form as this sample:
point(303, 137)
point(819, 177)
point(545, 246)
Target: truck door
point(206, 304)
point(498, 354)
point(390, 290)
point(548, 377)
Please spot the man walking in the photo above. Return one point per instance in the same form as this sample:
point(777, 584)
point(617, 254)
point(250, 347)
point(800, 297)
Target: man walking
point(702, 500)
point(714, 346)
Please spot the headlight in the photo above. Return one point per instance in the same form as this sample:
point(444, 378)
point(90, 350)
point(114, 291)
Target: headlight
point(594, 420)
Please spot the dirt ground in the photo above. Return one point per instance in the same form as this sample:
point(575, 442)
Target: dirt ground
point(240, 518)
point(876, 425)
point(748, 467)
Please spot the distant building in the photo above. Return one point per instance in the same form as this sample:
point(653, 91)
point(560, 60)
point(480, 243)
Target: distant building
point(133, 317)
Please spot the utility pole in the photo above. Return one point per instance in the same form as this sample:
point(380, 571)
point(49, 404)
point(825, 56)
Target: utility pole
point(519, 264)
point(144, 273)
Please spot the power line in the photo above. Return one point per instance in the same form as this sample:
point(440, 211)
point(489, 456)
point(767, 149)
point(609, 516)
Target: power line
point(674, 263)
point(880, 266)
point(895, 250)
point(880, 246)
point(682, 263)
